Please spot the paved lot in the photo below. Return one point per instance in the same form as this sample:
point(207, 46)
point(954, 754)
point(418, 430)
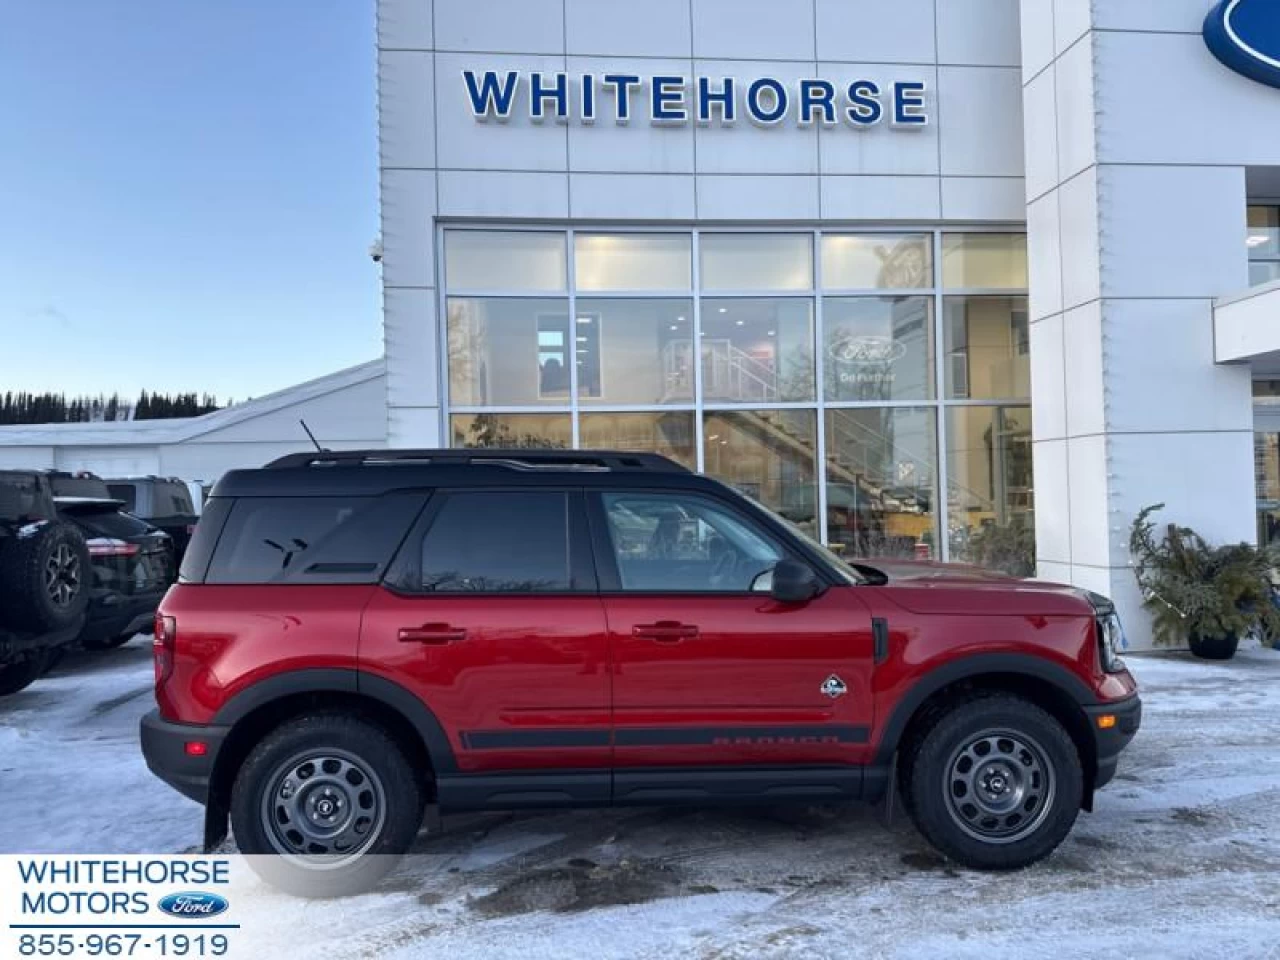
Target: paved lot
point(1182, 858)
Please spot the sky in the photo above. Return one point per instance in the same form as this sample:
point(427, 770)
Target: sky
point(188, 192)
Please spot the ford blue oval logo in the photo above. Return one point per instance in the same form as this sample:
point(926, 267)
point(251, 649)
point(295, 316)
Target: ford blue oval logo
point(193, 906)
point(1245, 36)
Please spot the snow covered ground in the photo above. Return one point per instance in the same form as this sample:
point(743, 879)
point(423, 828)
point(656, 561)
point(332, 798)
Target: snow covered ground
point(1181, 859)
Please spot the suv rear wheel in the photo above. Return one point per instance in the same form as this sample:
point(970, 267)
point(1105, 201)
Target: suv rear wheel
point(332, 799)
point(19, 674)
point(44, 577)
point(996, 784)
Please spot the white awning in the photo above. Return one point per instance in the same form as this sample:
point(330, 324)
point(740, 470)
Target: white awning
point(1246, 329)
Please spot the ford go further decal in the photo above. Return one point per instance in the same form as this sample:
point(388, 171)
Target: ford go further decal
point(193, 906)
point(1245, 36)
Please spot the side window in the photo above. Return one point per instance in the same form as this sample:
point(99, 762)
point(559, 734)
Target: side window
point(498, 542)
point(21, 500)
point(125, 492)
point(674, 543)
point(309, 540)
point(172, 500)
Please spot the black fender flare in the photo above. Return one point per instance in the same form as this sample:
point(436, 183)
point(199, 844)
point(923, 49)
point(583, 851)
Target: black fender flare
point(965, 668)
point(321, 680)
point(345, 680)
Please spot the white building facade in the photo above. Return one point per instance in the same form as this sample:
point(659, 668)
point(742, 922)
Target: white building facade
point(962, 279)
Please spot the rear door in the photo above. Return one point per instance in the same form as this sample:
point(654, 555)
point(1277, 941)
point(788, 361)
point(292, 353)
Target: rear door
point(490, 617)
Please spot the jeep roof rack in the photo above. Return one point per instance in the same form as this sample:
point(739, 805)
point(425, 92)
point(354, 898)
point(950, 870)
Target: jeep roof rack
point(516, 459)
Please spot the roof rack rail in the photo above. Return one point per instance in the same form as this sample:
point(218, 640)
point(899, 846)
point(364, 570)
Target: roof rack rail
point(516, 459)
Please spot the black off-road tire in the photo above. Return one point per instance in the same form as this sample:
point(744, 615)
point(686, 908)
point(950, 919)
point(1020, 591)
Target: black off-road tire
point(271, 769)
point(44, 578)
point(17, 675)
point(1020, 739)
point(1214, 648)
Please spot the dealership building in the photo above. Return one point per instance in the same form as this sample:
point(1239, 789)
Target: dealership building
point(963, 279)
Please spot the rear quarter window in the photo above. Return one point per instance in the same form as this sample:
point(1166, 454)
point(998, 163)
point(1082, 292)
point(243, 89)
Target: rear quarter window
point(172, 499)
point(23, 499)
point(127, 493)
point(195, 562)
point(304, 540)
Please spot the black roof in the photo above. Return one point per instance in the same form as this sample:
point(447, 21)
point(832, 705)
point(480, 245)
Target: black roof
point(373, 472)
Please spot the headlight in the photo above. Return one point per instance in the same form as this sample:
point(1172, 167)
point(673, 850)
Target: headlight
point(1111, 640)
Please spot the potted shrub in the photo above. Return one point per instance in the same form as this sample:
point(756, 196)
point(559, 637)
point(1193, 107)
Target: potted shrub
point(1207, 596)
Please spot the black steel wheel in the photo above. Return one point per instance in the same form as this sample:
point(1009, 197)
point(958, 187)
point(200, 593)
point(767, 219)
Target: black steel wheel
point(999, 787)
point(995, 784)
point(331, 799)
point(323, 803)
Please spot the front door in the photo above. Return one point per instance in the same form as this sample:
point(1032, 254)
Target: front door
point(491, 619)
point(709, 670)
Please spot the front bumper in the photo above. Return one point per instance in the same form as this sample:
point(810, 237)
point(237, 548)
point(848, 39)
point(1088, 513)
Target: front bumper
point(1110, 742)
point(164, 745)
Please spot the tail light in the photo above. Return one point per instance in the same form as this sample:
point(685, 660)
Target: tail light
point(111, 547)
point(162, 644)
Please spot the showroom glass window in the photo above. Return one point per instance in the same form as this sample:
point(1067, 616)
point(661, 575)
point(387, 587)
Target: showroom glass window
point(872, 386)
point(1263, 240)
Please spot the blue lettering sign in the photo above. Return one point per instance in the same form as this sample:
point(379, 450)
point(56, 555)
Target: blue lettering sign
point(908, 103)
point(487, 98)
point(540, 93)
point(622, 84)
point(817, 95)
point(708, 99)
point(756, 109)
point(668, 100)
point(865, 109)
point(672, 99)
point(588, 98)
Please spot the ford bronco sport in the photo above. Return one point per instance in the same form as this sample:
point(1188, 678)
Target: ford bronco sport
point(360, 638)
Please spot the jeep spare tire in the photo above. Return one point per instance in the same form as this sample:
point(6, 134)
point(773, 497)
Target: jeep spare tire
point(44, 577)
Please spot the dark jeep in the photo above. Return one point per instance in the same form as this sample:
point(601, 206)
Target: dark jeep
point(44, 570)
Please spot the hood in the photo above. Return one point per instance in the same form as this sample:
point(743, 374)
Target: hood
point(928, 587)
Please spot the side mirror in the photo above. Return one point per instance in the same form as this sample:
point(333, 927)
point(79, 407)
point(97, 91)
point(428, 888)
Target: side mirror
point(794, 582)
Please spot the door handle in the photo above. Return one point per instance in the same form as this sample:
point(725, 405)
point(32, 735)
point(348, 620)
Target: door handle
point(665, 631)
point(432, 633)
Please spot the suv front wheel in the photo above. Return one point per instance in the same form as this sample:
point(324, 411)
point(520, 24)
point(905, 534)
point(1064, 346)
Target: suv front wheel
point(996, 784)
point(333, 802)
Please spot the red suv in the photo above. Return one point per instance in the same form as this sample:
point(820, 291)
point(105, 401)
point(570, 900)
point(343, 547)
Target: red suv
point(360, 637)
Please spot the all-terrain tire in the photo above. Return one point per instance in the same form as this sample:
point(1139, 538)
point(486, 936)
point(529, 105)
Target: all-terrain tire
point(273, 793)
point(1214, 648)
point(996, 784)
point(19, 674)
point(44, 578)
